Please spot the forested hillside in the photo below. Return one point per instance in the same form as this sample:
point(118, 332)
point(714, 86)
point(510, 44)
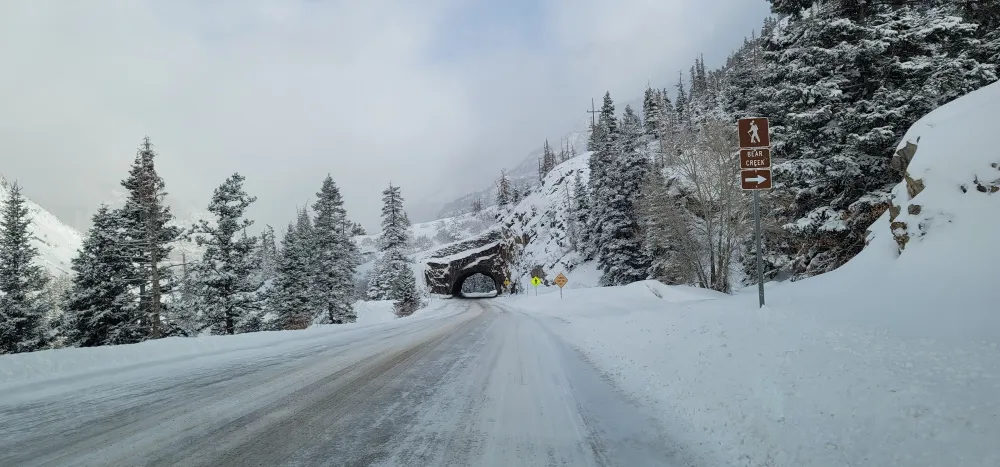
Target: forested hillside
point(840, 81)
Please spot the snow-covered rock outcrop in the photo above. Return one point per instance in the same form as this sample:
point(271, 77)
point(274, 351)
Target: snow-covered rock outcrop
point(951, 173)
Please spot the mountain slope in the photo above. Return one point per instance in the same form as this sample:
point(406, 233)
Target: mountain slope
point(525, 173)
point(57, 242)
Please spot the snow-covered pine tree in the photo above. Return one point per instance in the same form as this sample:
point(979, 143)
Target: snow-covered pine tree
point(548, 160)
point(660, 218)
point(581, 214)
point(599, 184)
point(395, 224)
point(290, 294)
point(228, 288)
point(392, 242)
point(652, 110)
point(102, 308)
point(504, 190)
point(403, 283)
point(357, 229)
point(267, 254)
point(147, 236)
point(620, 253)
point(335, 257)
point(22, 311)
point(477, 206)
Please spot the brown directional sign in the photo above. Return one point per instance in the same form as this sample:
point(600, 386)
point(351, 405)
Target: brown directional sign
point(754, 132)
point(755, 158)
point(755, 179)
point(561, 280)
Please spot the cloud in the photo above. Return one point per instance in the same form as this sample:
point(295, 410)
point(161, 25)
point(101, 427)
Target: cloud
point(434, 95)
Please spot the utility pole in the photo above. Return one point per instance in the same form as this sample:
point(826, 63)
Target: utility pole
point(592, 112)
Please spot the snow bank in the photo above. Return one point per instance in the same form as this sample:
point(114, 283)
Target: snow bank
point(893, 359)
point(374, 311)
point(72, 363)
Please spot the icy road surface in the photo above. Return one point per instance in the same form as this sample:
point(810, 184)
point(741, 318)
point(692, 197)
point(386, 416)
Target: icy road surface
point(485, 385)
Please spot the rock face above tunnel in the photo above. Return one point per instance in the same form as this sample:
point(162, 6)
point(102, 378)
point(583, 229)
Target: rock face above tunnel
point(489, 254)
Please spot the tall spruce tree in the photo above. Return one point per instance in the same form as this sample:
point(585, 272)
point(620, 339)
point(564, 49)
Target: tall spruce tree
point(599, 185)
point(548, 160)
point(393, 241)
point(620, 252)
point(267, 254)
point(581, 215)
point(504, 191)
point(102, 308)
point(147, 235)
point(335, 257)
point(22, 309)
point(652, 110)
point(291, 296)
point(228, 288)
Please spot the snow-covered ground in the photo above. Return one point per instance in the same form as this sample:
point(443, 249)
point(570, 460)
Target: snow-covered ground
point(893, 359)
point(59, 365)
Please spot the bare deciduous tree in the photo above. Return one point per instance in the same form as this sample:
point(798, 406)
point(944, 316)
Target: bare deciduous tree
point(708, 164)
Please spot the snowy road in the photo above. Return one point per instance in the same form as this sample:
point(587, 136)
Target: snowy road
point(482, 386)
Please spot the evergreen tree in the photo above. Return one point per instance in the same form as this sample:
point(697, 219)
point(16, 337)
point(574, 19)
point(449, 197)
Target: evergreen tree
point(147, 235)
point(477, 205)
point(393, 264)
point(357, 229)
point(227, 286)
point(22, 311)
point(548, 160)
point(335, 257)
point(620, 252)
point(291, 295)
point(599, 184)
point(395, 224)
point(403, 283)
point(266, 254)
point(102, 307)
point(652, 109)
point(504, 191)
point(578, 213)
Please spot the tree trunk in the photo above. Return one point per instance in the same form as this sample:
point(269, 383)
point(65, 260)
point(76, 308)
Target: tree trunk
point(154, 296)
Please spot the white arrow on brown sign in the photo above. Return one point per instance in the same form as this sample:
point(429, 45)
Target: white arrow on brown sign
point(755, 179)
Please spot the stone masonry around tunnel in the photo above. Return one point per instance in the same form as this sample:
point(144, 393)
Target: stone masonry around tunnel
point(489, 253)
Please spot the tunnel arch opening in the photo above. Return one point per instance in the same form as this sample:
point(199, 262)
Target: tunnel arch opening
point(476, 284)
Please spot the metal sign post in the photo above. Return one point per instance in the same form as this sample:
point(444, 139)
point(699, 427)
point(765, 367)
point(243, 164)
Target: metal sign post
point(561, 281)
point(755, 175)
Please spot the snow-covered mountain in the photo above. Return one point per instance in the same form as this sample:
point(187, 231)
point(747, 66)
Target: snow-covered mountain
point(523, 176)
point(525, 173)
point(57, 242)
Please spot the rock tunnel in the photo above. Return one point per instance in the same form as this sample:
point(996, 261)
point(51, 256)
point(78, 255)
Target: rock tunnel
point(488, 254)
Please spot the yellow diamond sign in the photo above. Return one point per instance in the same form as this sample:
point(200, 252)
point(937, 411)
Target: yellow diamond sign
point(536, 281)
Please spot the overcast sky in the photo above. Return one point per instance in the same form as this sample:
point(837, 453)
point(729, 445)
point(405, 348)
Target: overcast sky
point(433, 95)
